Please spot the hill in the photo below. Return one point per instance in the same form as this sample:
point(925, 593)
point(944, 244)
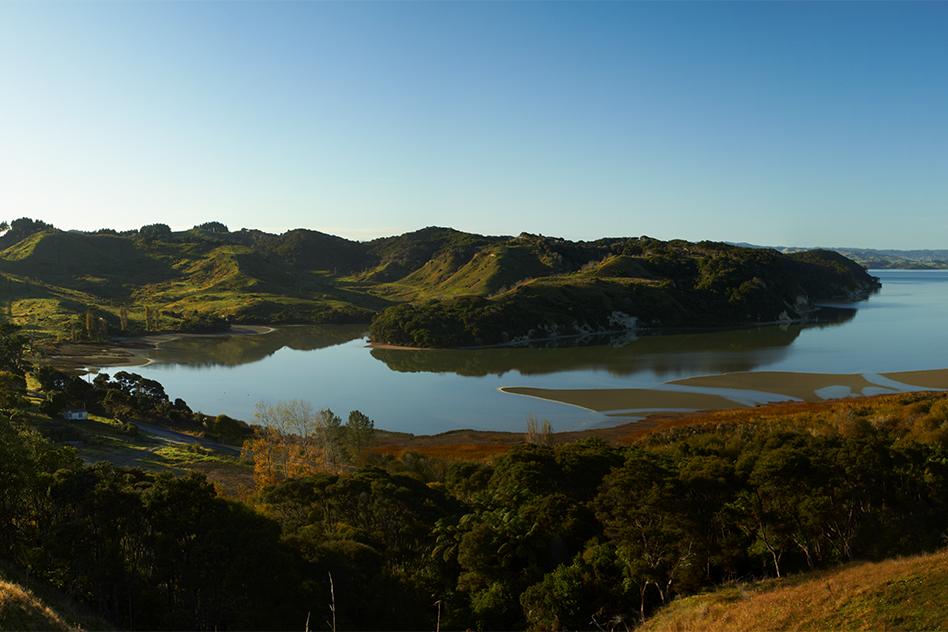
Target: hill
point(21, 610)
point(535, 287)
point(40, 607)
point(896, 594)
point(884, 259)
point(431, 287)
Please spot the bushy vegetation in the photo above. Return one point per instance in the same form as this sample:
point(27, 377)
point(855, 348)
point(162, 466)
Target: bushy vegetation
point(567, 536)
point(640, 282)
point(442, 287)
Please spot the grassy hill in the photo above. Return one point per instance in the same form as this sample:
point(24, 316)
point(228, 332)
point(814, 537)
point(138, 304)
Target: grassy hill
point(40, 607)
point(446, 287)
point(898, 594)
point(534, 287)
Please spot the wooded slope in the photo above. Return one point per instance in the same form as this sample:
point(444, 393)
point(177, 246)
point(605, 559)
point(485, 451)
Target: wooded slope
point(432, 287)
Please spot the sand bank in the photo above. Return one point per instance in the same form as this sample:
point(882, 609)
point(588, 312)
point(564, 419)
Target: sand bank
point(739, 390)
point(626, 399)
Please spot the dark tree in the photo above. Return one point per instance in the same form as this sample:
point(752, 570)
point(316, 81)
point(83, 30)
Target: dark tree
point(212, 227)
point(155, 231)
point(13, 346)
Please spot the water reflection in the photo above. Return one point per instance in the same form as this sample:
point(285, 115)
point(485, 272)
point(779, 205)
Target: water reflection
point(665, 355)
point(212, 351)
point(424, 392)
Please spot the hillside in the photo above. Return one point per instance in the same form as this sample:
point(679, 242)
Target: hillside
point(888, 259)
point(897, 594)
point(543, 532)
point(40, 607)
point(534, 287)
point(432, 287)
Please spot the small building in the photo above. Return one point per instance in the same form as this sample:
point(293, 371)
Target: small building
point(76, 413)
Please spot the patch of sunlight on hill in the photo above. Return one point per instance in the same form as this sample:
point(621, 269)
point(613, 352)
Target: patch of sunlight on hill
point(622, 266)
point(20, 609)
point(897, 594)
point(23, 248)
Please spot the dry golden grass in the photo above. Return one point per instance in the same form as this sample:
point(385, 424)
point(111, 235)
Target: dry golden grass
point(899, 594)
point(20, 609)
point(897, 411)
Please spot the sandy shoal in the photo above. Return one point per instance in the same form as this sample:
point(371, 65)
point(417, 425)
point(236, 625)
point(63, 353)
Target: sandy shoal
point(935, 380)
point(802, 386)
point(799, 385)
point(609, 399)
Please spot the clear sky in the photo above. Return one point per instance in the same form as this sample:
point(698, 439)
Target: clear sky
point(774, 123)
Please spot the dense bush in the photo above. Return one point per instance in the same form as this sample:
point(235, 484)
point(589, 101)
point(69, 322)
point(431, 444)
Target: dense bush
point(575, 535)
point(667, 284)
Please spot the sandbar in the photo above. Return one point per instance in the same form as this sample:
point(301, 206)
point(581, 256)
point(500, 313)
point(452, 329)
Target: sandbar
point(613, 399)
point(936, 380)
point(810, 387)
point(739, 390)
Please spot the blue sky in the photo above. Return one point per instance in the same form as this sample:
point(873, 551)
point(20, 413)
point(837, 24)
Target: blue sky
point(776, 123)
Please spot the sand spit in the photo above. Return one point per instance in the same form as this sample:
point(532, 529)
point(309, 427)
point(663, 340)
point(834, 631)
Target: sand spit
point(738, 390)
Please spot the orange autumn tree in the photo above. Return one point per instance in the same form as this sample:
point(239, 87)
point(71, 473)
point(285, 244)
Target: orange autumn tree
point(292, 440)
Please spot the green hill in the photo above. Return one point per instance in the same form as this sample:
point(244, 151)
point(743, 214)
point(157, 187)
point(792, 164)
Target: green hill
point(431, 287)
point(897, 594)
point(534, 287)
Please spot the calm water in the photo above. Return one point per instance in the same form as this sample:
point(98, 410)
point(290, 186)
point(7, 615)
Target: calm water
point(900, 328)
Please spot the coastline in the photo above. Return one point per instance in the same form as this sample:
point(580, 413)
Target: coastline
point(78, 357)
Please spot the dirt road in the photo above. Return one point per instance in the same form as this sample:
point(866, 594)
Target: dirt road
point(170, 436)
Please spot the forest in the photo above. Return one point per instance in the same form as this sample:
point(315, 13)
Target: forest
point(548, 535)
point(435, 287)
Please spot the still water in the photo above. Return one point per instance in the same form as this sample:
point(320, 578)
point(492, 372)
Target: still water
point(900, 328)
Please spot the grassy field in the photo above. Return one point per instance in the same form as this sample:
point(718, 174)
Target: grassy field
point(899, 594)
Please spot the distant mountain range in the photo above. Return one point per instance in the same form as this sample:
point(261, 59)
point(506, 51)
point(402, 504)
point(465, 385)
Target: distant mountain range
point(881, 259)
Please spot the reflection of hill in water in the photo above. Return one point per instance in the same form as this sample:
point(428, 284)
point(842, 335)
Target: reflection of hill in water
point(718, 351)
point(234, 350)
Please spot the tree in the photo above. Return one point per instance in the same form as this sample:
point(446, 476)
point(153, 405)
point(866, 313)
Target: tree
point(13, 346)
point(226, 429)
point(641, 510)
point(24, 227)
point(12, 389)
point(155, 231)
point(291, 440)
point(359, 432)
point(212, 227)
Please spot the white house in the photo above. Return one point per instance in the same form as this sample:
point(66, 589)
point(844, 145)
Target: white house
point(76, 413)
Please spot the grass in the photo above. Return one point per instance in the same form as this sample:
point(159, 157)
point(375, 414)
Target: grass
point(27, 605)
point(50, 280)
point(20, 609)
point(898, 594)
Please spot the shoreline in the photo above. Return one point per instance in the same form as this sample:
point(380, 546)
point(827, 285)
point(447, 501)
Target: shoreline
point(738, 390)
point(79, 357)
point(634, 410)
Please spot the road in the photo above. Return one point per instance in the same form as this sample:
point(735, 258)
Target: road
point(179, 437)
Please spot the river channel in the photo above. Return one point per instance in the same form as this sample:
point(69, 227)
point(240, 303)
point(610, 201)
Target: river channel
point(899, 328)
